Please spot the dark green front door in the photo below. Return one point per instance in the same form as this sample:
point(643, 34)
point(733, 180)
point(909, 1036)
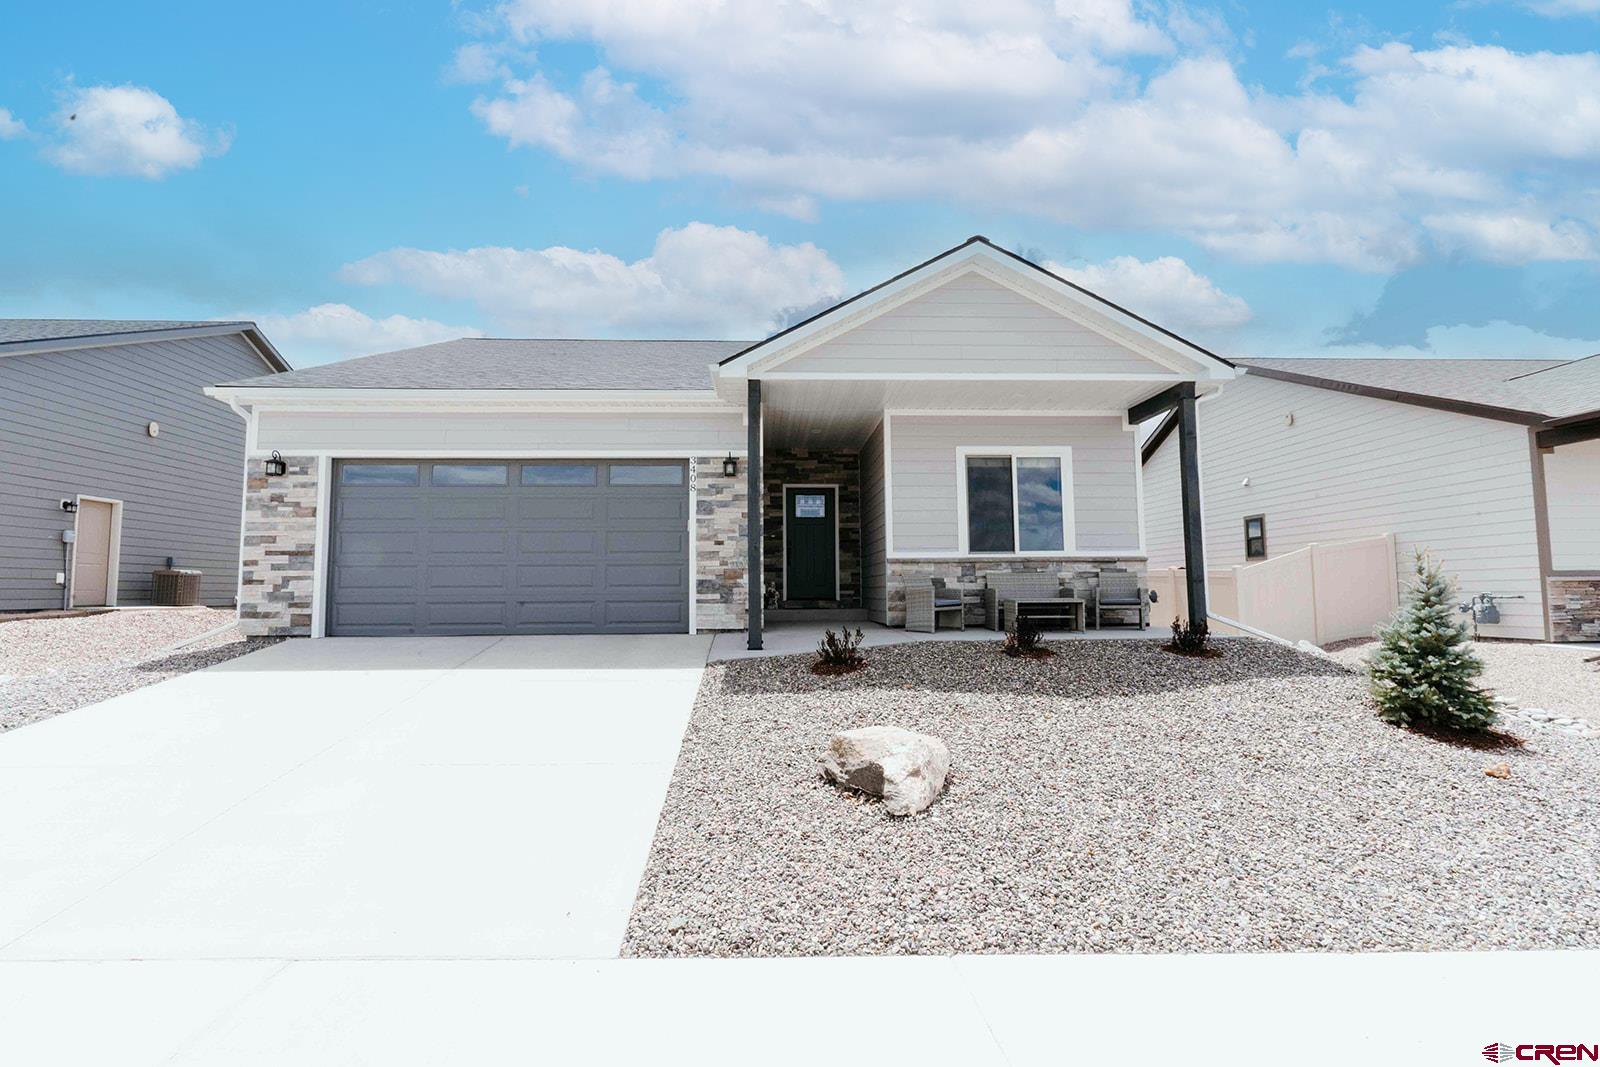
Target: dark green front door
point(811, 543)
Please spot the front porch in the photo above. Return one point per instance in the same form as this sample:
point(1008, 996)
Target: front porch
point(793, 637)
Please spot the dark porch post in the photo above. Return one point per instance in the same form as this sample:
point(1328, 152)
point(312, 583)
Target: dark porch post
point(1194, 556)
point(755, 502)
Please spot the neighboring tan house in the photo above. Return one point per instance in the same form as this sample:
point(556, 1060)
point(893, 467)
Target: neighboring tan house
point(112, 459)
point(973, 413)
point(1491, 464)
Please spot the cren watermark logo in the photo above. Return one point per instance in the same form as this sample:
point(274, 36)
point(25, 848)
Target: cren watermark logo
point(1500, 1052)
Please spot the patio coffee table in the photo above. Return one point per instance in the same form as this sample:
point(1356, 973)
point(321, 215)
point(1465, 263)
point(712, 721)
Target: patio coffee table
point(1054, 609)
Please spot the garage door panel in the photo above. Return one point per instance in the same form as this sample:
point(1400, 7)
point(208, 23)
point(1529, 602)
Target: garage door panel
point(466, 542)
point(620, 576)
point(525, 557)
point(556, 576)
point(386, 576)
point(452, 504)
point(379, 505)
point(558, 542)
point(573, 614)
point(535, 506)
point(447, 576)
point(646, 506)
point(667, 542)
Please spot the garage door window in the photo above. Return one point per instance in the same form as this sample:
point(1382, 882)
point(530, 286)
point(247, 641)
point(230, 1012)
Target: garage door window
point(378, 474)
point(646, 474)
point(558, 474)
point(469, 474)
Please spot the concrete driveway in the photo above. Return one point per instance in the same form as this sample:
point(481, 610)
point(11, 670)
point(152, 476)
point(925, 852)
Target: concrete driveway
point(349, 799)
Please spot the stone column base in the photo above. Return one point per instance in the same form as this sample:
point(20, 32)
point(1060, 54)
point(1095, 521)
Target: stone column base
point(1574, 607)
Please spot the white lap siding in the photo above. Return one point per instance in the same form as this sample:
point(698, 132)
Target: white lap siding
point(1572, 490)
point(1353, 466)
point(491, 433)
point(923, 476)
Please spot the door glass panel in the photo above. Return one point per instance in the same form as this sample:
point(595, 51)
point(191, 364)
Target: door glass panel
point(378, 474)
point(646, 474)
point(810, 506)
point(989, 504)
point(1039, 504)
point(469, 474)
point(558, 474)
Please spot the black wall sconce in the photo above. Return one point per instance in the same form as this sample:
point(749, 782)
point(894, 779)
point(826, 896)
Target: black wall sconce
point(276, 467)
point(730, 466)
point(69, 506)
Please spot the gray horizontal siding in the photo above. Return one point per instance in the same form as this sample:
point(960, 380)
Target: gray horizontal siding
point(73, 423)
point(923, 476)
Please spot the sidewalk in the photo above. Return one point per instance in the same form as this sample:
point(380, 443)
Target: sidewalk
point(1372, 1009)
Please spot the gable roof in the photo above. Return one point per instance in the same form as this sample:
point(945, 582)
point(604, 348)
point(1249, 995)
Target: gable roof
point(1532, 392)
point(518, 363)
point(981, 245)
point(32, 336)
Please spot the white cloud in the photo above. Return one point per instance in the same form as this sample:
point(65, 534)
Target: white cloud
point(337, 331)
point(128, 130)
point(700, 280)
point(1512, 238)
point(1495, 340)
point(10, 126)
point(1026, 106)
point(1561, 8)
point(1165, 290)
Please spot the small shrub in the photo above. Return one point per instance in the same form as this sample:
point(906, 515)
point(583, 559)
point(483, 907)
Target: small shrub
point(1024, 639)
point(1423, 673)
point(1190, 640)
point(838, 653)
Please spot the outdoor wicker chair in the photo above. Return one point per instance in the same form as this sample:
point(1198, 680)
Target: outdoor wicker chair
point(926, 600)
point(1120, 591)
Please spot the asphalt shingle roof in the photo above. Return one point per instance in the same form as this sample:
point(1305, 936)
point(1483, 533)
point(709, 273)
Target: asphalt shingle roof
point(17, 331)
point(1553, 388)
point(519, 363)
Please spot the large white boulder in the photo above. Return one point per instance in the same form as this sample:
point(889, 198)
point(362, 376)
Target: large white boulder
point(906, 769)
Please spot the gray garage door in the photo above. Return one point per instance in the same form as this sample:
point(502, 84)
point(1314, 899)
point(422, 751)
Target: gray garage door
point(481, 547)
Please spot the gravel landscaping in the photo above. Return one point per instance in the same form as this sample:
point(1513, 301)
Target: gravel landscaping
point(52, 665)
point(1561, 679)
point(1112, 798)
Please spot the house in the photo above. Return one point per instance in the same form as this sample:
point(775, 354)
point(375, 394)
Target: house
point(1491, 464)
point(973, 413)
point(113, 459)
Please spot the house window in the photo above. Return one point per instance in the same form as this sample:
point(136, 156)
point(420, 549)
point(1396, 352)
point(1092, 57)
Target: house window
point(1016, 502)
point(469, 474)
point(1255, 537)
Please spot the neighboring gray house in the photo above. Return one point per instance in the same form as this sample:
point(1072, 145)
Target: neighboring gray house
point(1491, 464)
point(107, 437)
point(974, 413)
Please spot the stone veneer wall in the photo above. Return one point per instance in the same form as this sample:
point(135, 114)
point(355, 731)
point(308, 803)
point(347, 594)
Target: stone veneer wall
point(280, 535)
point(1574, 608)
point(721, 533)
point(825, 467)
point(966, 572)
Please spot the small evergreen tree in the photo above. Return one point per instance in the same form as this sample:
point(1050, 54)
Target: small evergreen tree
point(1423, 672)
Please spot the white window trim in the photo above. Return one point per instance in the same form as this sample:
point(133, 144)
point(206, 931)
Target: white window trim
point(1014, 453)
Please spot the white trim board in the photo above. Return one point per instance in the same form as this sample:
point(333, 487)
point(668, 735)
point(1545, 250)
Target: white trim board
point(838, 494)
point(1061, 453)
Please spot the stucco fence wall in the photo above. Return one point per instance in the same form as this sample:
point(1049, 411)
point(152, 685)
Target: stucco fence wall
point(279, 559)
point(969, 573)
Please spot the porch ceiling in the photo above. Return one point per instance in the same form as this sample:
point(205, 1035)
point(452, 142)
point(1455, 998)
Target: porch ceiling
point(841, 413)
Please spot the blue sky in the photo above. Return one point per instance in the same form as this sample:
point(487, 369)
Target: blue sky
point(1271, 179)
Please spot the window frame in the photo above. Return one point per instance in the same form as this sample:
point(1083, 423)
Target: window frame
point(1063, 453)
point(1262, 519)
